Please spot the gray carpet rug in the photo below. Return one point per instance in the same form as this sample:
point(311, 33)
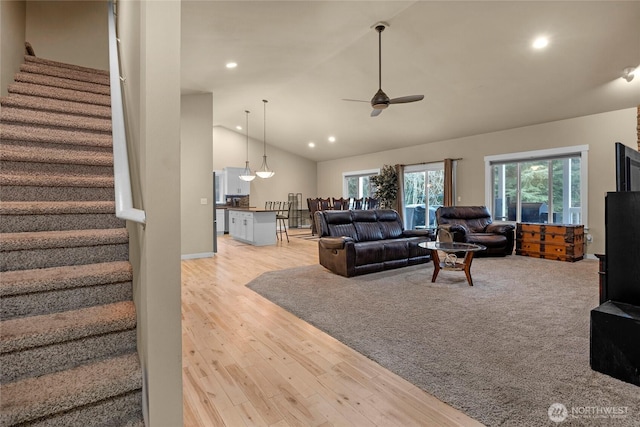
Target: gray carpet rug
point(502, 351)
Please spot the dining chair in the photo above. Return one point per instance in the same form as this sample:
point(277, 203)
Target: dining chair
point(314, 206)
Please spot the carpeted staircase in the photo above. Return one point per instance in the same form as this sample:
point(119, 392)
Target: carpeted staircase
point(68, 324)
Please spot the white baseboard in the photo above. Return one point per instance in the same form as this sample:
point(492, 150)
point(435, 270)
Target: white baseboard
point(196, 256)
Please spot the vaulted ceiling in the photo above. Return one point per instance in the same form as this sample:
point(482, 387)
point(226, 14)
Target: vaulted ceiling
point(472, 60)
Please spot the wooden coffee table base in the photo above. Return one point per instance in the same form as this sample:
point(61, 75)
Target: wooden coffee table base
point(459, 266)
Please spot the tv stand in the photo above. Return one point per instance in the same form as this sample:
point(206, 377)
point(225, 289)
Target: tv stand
point(615, 324)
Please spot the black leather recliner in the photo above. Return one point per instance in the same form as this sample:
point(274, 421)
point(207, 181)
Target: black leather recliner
point(473, 224)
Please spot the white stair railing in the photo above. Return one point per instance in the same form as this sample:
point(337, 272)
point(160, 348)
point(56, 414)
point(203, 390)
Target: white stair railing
point(121, 173)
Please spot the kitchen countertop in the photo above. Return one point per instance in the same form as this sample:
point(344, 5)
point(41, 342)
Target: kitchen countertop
point(250, 209)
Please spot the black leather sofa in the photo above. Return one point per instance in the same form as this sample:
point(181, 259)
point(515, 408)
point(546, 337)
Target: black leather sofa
point(358, 242)
point(473, 224)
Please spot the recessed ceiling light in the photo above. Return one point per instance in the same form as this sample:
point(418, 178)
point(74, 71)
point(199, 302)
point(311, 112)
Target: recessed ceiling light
point(312, 144)
point(231, 65)
point(332, 139)
point(540, 42)
point(239, 127)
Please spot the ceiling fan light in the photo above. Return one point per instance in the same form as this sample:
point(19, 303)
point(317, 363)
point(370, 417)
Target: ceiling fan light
point(629, 73)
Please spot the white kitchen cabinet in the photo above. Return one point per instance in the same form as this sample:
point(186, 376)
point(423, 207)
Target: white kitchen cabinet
point(256, 227)
point(220, 225)
point(233, 184)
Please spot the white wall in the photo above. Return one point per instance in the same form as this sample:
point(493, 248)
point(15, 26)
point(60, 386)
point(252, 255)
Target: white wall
point(196, 153)
point(599, 131)
point(12, 38)
point(74, 32)
point(293, 174)
point(150, 35)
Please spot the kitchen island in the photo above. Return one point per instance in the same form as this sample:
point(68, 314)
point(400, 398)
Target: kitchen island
point(253, 226)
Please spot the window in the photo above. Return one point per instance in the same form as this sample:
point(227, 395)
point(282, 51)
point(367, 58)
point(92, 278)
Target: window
point(358, 184)
point(423, 194)
point(546, 186)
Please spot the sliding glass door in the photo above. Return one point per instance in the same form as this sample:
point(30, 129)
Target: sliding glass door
point(423, 194)
point(540, 191)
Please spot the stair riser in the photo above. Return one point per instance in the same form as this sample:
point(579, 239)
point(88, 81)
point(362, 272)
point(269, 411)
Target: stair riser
point(45, 63)
point(60, 300)
point(15, 193)
point(57, 93)
point(62, 82)
point(58, 357)
point(25, 223)
point(43, 118)
point(55, 168)
point(123, 410)
point(44, 258)
point(47, 70)
point(80, 149)
point(61, 180)
point(64, 299)
point(56, 106)
point(62, 136)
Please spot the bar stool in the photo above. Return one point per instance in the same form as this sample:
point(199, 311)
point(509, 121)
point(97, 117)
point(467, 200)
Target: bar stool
point(281, 216)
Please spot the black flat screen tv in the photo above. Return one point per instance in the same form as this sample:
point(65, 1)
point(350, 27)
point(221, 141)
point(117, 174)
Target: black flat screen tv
point(627, 168)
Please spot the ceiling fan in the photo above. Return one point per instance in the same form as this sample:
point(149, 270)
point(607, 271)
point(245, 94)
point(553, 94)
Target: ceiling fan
point(380, 100)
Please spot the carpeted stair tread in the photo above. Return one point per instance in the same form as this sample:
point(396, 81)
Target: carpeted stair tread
point(26, 193)
point(66, 73)
point(39, 397)
point(62, 155)
point(56, 357)
point(47, 329)
point(55, 180)
point(36, 60)
point(55, 105)
point(120, 411)
point(62, 239)
point(46, 279)
point(19, 132)
point(58, 120)
point(32, 216)
point(63, 82)
point(53, 208)
point(59, 93)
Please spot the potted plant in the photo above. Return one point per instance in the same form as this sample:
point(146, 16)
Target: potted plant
point(386, 186)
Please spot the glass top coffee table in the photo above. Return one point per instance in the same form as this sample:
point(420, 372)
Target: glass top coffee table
point(451, 261)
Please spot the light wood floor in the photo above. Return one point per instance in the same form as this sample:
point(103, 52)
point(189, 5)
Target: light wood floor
point(247, 362)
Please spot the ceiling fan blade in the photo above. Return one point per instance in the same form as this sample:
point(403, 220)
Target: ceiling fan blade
point(405, 99)
point(375, 113)
point(354, 100)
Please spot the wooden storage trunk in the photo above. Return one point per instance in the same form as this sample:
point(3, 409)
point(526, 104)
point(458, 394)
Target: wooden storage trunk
point(550, 241)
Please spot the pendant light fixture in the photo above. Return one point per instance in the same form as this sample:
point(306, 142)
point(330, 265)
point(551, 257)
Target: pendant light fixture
point(246, 174)
point(264, 171)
